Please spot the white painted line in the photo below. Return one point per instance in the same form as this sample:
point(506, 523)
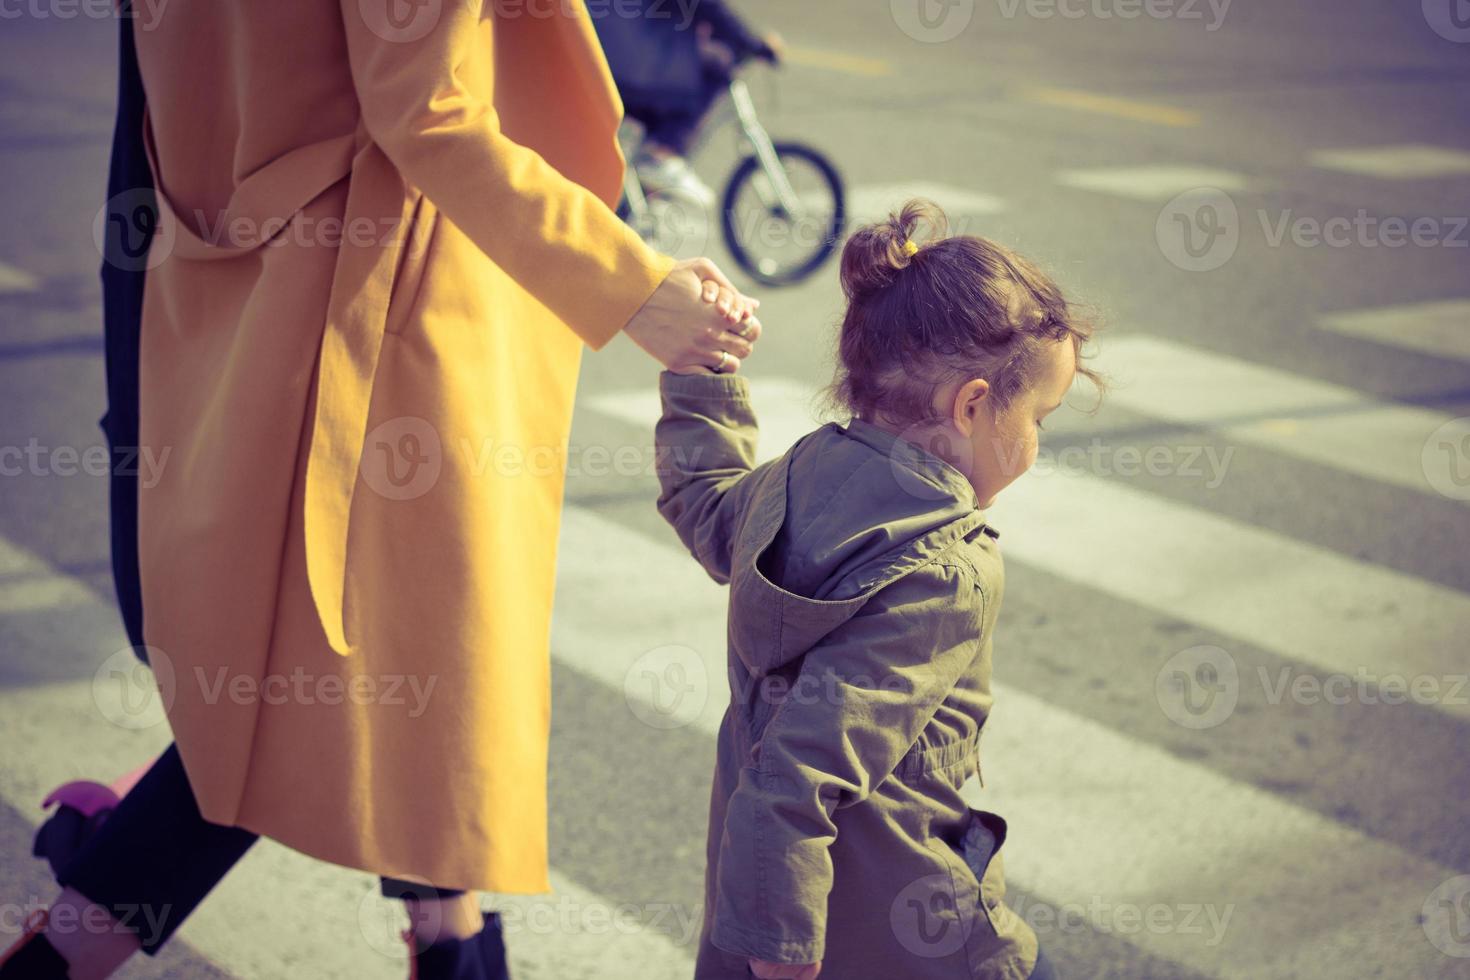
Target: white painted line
point(1286, 413)
point(1302, 602)
point(13, 280)
point(279, 913)
point(1096, 816)
point(1441, 328)
point(1406, 161)
point(1151, 183)
point(787, 410)
point(29, 583)
point(1248, 885)
point(873, 202)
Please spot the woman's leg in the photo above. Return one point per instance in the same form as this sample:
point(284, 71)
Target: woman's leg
point(448, 937)
point(435, 914)
point(141, 874)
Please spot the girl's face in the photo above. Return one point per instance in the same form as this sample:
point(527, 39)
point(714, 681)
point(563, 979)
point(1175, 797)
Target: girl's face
point(997, 444)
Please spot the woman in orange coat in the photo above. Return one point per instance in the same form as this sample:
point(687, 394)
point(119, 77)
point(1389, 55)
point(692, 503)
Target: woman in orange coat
point(383, 242)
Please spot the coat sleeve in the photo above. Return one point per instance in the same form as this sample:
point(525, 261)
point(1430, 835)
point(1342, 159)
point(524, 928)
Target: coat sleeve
point(553, 236)
point(861, 700)
point(705, 445)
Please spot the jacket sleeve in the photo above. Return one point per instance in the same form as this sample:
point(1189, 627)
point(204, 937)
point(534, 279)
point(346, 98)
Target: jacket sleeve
point(861, 700)
point(553, 236)
point(705, 445)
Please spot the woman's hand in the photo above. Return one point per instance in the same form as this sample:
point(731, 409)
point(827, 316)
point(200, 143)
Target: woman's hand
point(785, 971)
point(696, 320)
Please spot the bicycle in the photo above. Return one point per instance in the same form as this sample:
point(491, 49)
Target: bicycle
point(782, 213)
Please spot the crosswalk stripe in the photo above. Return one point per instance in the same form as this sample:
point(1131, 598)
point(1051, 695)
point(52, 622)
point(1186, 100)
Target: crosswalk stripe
point(1406, 161)
point(1299, 601)
point(279, 911)
point(639, 617)
point(1284, 412)
point(13, 280)
point(787, 411)
point(28, 583)
point(1439, 328)
point(1151, 182)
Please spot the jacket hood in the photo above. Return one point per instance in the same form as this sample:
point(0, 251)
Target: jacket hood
point(845, 512)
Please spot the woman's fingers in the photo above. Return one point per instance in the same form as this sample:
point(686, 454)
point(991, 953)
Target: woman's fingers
point(695, 320)
point(749, 329)
point(706, 269)
point(735, 344)
point(733, 306)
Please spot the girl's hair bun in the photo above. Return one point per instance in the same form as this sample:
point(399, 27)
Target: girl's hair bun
point(876, 253)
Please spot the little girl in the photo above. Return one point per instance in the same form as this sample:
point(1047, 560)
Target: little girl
point(864, 589)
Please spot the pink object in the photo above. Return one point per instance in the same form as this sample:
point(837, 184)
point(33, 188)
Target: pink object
point(89, 797)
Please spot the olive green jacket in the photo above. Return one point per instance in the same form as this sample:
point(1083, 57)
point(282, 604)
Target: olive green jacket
point(864, 587)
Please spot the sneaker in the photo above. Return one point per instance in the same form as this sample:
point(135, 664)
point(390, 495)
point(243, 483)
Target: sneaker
point(672, 175)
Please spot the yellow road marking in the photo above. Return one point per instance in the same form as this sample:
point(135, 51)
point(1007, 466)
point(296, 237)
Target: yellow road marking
point(1108, 105)
point(837, 61)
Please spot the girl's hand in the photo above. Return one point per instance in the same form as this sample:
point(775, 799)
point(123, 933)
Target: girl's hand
point(785, 971)
point(739, 333)
point(683, 331)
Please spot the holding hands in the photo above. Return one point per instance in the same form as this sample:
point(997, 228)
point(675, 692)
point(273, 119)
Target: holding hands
point(696, 321)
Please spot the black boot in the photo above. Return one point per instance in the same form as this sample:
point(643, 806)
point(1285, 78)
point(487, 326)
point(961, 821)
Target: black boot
point(33, 957)
point(480, 957)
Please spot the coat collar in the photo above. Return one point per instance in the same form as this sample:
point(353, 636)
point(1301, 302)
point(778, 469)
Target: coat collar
point(906, 506)
point(915, 459)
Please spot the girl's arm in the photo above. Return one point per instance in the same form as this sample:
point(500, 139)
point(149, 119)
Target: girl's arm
point(705, 444)
point(863, 697)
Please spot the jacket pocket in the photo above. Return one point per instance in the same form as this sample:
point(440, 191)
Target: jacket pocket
point(980, 848)
point(973, 865)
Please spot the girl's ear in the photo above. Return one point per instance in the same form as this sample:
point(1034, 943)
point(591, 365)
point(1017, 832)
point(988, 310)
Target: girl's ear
point(969, 402)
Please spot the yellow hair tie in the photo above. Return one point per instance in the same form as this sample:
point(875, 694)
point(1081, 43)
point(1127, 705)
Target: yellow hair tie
point(909, 247)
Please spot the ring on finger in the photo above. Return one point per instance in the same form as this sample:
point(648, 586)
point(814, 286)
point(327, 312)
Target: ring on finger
point(725, 359)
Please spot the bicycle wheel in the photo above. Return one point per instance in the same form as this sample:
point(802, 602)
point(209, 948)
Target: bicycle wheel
point(774, 243)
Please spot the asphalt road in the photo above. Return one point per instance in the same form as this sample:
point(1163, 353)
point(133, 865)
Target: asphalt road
point(1232, 731)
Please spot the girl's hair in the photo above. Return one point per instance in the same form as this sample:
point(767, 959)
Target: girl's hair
point(955, 308)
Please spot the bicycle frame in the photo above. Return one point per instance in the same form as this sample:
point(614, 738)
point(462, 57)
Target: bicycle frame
point(754, 136)
point(760, 143)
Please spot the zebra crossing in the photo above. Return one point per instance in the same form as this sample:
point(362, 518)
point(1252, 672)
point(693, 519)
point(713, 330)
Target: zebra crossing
point(1113, 831)
point(1174, 829)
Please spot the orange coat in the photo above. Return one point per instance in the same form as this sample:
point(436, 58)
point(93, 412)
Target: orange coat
point(384, 241)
